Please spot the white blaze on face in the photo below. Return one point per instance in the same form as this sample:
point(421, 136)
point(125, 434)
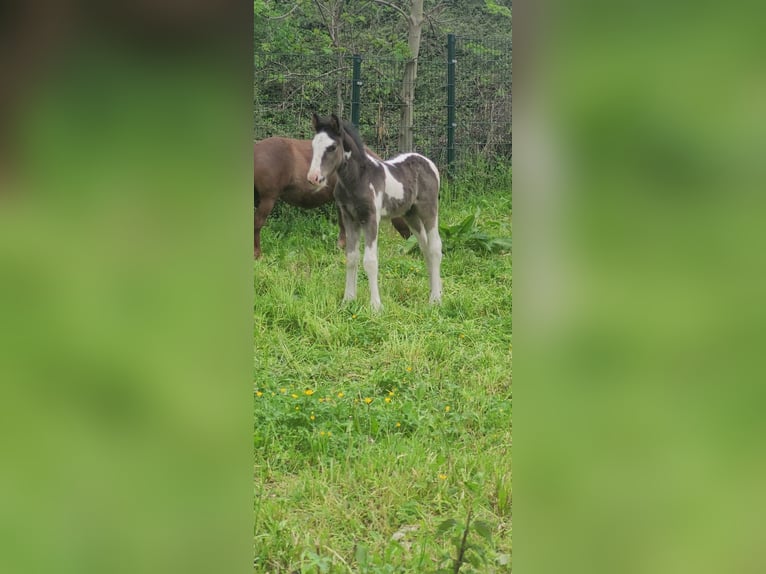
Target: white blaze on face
point(394, 187)
point(319, 145)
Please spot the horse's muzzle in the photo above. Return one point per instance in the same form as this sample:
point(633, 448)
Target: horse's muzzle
point(316, 179)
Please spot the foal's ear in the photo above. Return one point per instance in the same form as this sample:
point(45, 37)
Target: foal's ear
point(314, 120)
point(335, 123)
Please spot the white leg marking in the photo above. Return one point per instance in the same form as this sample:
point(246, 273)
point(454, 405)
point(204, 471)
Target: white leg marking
point(352, 266)
point(433, 256)
point(371, 268)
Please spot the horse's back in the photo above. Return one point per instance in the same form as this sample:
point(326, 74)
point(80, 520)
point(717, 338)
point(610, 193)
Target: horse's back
point(418, 161)
point(415, 172)
point(277, 163)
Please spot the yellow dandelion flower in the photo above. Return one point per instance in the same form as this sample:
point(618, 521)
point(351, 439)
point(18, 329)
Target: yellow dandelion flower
point(283, 391)
point(321, 400)
point(390, 393)
point(353, 316)
point(409, 369)
point(312, 417)
point(329, 433)
point(368, 400)
point(258, 394)
point(398, 425)
point(308, 392)
point(447, 409)
point(340, 395)
point(321, 433)
point(294, 396)
point(462, 336)
point(443, 476)
point(387, 399)
point(297, 408)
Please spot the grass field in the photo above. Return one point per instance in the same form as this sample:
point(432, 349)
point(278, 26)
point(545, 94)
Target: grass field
point(377, 438)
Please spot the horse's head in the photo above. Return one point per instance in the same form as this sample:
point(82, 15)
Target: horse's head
point(327, 148)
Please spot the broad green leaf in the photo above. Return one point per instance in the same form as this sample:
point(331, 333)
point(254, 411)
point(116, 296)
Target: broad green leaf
point(483, 529)
point(446, 526)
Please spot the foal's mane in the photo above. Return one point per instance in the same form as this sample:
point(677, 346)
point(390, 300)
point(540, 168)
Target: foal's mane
point(353, 133)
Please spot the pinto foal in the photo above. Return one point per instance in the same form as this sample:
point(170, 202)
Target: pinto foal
point(279, 172)
point(367, 189)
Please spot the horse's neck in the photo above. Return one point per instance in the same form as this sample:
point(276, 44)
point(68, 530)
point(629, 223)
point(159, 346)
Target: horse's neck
point(349, 172)
point(350, 144)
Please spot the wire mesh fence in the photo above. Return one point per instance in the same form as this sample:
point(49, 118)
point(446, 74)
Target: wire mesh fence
point(289, 87)
point(483, 80)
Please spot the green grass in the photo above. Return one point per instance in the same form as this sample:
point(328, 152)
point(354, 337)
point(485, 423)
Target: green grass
point(372, 431)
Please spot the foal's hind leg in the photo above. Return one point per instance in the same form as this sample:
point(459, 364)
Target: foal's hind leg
point(434, 259)
point(416, 225)
point(263, 210)
point(431, 248)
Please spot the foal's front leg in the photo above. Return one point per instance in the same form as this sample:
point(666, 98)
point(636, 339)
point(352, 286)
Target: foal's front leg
point(353, 233)
point(371, 262)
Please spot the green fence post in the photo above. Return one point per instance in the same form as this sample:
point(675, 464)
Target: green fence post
point(451, 125)
point(356, 89)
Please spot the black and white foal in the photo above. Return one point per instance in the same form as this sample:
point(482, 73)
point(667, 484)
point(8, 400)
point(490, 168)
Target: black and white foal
point(406, 186)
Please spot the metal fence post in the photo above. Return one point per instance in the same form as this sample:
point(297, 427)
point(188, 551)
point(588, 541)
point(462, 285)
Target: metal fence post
point(356, 89)
point(451, 125)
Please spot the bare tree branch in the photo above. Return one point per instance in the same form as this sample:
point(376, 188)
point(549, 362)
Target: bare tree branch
point(394, 6)
point(283, 16)
point(436, 10)
point(321, 10)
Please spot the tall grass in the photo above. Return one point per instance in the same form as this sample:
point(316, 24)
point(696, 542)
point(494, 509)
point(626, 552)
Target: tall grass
point(373, 431)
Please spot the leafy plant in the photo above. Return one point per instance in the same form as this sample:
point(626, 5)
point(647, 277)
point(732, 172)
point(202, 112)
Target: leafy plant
point(471, 552)
point(466, 234)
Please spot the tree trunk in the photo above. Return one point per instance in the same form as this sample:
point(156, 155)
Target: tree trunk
point(414, 28)
point(339, 89)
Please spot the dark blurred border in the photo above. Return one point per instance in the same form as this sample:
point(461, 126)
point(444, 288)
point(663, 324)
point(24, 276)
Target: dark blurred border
point(125, 286)
point(37, 36)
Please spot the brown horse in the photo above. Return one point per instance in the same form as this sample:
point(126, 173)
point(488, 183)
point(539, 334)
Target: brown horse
point(279, 172)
